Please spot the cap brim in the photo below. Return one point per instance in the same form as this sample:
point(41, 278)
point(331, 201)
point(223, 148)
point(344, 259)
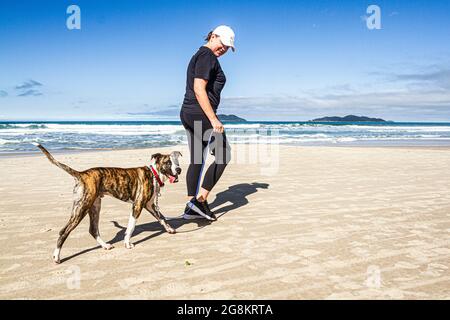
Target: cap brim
point(228, 44)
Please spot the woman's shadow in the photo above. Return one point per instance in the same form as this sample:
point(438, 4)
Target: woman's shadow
point(236, 194)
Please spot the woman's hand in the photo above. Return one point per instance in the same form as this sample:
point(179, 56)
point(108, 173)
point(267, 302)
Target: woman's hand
point(217, 125)
point(203, 100)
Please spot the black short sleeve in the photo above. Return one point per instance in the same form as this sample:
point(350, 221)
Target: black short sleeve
point(203, 66)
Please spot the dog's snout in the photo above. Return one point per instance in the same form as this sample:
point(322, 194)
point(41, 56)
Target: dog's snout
point(178, 170)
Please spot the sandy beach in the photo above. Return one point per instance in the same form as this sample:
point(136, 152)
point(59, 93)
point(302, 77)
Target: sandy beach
point(323, 223)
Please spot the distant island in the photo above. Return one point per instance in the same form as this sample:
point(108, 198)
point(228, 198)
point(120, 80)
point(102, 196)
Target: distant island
point(350, 118)
point(230, 118)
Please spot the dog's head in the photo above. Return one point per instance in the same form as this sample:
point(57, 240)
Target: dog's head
point(168, 165)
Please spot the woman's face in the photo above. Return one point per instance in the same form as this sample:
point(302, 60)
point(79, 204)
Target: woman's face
point(217, 47)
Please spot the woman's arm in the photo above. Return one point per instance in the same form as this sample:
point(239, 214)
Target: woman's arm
point(203, 100)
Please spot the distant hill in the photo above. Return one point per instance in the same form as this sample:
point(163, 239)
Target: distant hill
point(350, 118)
point(230, 118)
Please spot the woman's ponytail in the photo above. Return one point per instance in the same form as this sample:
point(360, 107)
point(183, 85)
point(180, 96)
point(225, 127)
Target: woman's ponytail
point(208, 37)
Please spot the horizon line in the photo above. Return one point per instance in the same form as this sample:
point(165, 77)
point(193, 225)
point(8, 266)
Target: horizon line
point(177, 120)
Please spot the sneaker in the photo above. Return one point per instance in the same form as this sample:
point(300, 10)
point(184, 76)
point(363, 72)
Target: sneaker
point(208, 210)
point(190, 214)
point(199, 208)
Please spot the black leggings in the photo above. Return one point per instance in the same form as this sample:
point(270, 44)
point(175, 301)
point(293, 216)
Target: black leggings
point(199, 131)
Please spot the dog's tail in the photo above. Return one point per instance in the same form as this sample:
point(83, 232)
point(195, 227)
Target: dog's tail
point(66, 168)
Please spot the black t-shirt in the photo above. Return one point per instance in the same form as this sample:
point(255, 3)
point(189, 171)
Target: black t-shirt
point(204, 65)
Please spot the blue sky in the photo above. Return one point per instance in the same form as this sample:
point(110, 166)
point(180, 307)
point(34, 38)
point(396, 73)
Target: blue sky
point(295, 60)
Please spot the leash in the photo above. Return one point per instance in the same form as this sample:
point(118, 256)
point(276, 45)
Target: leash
point(203, 163)
point(158, 184)
point(199, 180)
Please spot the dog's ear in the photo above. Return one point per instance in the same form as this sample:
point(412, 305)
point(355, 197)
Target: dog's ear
point(176, 154)
point(156, 156)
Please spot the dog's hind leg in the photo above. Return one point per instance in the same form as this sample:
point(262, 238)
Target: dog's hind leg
point(81, 206)
point(77, 215)
point(137, 209)
point(94, 216)
point(161, 219)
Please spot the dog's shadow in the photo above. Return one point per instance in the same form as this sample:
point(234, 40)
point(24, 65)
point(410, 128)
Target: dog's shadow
point(236, 195)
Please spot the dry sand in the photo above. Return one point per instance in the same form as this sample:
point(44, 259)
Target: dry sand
point(330, 223)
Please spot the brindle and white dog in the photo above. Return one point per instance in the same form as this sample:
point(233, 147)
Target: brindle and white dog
point(139, 186)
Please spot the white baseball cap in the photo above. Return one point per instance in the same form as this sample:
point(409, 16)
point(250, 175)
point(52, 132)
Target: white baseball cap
point(226, 35)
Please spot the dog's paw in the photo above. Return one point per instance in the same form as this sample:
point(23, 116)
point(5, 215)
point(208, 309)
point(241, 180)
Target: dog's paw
point(171, 230)
point(55, 256)
point(108, 246)
point(129, 245)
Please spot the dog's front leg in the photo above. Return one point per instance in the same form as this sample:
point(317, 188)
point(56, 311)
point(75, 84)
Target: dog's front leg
point(161, 219)
point(137, 208)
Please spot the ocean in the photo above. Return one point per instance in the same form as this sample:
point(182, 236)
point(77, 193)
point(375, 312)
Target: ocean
point(84, 135)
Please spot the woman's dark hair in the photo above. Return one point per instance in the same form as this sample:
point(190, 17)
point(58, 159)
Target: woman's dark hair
point(208, 37)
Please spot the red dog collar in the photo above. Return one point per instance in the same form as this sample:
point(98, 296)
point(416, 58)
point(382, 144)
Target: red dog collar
point(161, 184)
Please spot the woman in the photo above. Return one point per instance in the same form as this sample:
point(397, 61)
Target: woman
point(204, 83)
